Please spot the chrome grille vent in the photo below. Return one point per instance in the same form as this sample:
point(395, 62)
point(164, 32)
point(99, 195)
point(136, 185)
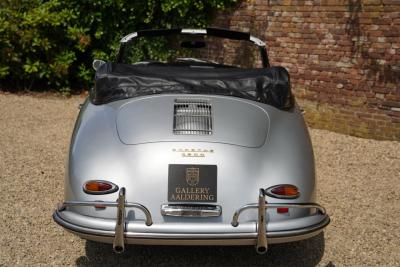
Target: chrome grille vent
point(192, 116)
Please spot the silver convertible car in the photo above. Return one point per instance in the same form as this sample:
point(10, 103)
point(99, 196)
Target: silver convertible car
point(191, 138)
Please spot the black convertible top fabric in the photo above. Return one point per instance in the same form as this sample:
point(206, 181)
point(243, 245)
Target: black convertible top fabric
point(120, 81)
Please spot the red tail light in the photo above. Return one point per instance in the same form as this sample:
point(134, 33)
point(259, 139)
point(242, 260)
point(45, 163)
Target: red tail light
point(282, 210)
point(99, 187)
point(285, 191)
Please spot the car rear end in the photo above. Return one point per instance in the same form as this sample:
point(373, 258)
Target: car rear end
point(190, 170)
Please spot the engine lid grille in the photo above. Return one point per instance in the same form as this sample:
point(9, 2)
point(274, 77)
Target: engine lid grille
point(192, 117)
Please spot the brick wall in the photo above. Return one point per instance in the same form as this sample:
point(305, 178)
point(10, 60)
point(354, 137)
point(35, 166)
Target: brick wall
point(343, 57)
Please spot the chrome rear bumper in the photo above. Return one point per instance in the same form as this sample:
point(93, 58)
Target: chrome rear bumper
point(260, 236)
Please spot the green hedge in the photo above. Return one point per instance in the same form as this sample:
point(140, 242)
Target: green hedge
point(51, 44)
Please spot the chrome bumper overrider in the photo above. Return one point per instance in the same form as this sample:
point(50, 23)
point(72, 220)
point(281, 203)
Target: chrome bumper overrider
point(119, 240)
point(120, 236)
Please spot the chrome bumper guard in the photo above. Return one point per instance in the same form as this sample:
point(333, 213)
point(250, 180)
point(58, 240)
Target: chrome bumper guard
point(262, 206)
point(121, 204)
point(119, 239)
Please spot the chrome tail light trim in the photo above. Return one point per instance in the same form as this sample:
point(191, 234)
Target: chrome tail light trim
point(269, 193)
point(113, 188)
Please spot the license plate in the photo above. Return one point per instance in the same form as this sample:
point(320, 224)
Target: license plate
point(192, 183)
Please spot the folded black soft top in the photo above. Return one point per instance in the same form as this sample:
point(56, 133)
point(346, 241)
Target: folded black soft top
point(120, 81)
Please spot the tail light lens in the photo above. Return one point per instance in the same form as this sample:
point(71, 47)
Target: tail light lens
point(285, 191)
point(99, 187)
point(282, 210)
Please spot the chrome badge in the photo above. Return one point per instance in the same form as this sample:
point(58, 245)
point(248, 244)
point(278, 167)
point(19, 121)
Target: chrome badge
point(192, 176)
point(193, 152)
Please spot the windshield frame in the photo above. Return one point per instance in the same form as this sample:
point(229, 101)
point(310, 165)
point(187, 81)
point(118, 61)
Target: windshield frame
point(215, 32)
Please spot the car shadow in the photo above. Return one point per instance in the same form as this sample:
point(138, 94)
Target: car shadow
point(302, 253)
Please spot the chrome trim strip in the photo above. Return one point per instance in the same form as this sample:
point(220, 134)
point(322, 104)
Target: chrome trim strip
point(191, 210)
point(187, 239)
point(235, 218)
point(194, 31)
point(197, 242)
point(256, 41)
point(119, 240)
point(128, 37)
point(62, 206)
point(262, 243)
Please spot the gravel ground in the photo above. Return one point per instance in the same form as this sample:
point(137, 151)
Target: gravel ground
point(358, 183)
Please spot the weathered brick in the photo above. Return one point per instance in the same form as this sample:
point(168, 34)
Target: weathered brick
point(391, 2)
point(343, 63)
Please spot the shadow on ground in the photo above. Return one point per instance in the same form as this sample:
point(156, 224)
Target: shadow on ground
point(303, 253)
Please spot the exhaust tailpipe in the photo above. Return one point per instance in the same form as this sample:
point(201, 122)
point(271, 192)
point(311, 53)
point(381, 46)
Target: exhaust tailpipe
point(262, 244)
point(119, 239)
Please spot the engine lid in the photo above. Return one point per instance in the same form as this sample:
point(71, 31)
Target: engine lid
point(171, 118)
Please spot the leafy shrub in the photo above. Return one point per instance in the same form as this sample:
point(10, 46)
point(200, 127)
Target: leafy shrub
point(51, 44)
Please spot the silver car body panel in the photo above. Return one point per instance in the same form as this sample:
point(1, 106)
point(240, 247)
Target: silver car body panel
point(276, 151)
point(96, 152)
point(149, 120)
